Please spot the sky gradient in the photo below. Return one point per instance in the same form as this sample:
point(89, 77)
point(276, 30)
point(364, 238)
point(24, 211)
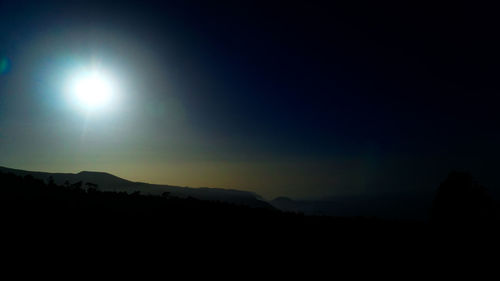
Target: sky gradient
point(301, 100)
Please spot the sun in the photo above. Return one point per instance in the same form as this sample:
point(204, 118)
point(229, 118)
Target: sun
point(92, 89)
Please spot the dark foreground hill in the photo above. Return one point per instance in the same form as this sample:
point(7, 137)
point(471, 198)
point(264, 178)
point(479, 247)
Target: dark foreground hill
point(46, 217)
point(394, 208)
point(60, 227)
point(40, 206)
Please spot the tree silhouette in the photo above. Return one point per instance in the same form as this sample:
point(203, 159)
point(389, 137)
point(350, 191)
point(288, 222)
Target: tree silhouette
point(91, 185)
point(461, 201)
point(51, 182)
point(77, 185)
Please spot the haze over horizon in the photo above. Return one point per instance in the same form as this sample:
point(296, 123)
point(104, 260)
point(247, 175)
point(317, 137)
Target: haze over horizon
point(279, 98)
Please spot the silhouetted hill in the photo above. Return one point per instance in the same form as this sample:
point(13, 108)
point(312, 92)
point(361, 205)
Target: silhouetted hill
point(109, 182)
point(387, 206)
point(35, 205)
point(45, 213)
point(68, 221)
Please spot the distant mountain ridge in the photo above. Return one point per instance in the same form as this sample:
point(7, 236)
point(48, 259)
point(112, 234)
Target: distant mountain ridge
point(109, 182)
point(388, 206)
point(393, 206)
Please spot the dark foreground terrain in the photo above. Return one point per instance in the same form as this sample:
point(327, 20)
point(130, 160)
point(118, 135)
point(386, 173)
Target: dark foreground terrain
point(37, 214)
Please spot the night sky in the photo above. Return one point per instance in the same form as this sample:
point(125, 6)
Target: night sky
point(304, 99)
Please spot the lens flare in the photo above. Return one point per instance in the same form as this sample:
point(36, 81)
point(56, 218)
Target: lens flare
point(4, 65)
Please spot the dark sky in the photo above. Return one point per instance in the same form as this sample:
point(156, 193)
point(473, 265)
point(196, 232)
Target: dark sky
point(304, 99)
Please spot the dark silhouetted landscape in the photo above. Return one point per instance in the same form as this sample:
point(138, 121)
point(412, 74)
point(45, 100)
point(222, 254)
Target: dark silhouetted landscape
point(266, 132)
point(76, 204)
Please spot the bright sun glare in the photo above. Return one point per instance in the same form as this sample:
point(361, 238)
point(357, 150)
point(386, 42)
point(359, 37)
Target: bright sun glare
point(92, 89)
